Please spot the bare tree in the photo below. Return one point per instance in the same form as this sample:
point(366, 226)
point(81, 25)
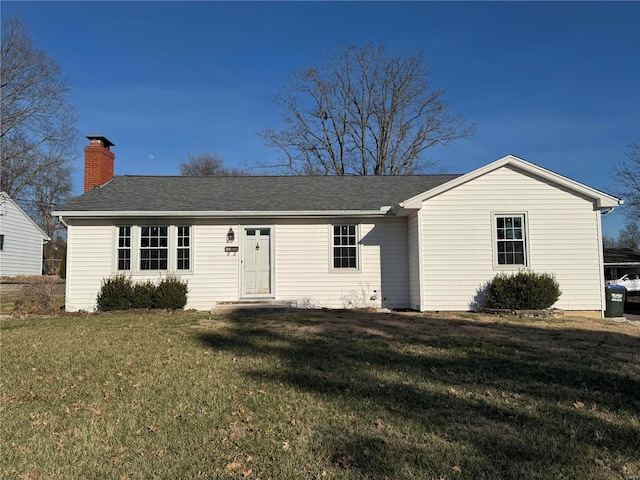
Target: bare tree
point(37, 132)
point(627, 174)
point(608, 242)
point(628, 237)
point(208, 164)
point(365, 112)
point(47, 196)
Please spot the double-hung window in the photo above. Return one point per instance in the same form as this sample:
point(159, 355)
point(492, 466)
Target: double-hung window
point(345, 246)
point(183, 252)
point(124, 248)
point(511, 241)
point(154, 248)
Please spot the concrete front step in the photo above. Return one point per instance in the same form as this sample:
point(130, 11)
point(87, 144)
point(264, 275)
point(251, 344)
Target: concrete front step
point(269, 306)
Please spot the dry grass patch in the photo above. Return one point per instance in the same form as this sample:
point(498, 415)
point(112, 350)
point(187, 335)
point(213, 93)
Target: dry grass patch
point(319, 394)
point(31, 294)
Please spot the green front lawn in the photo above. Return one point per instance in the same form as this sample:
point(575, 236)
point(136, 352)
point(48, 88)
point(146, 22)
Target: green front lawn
point(319, 394)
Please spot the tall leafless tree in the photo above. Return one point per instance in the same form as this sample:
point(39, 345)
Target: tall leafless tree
point(48, 195)
point(627, 175)
point(628, 237)
point(365, 112)
point(208, 164)
point(37, 132)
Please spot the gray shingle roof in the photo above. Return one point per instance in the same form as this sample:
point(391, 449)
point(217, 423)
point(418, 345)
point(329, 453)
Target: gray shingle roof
point(249, 193)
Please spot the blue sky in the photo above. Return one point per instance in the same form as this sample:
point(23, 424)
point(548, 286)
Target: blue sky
point(555, 83)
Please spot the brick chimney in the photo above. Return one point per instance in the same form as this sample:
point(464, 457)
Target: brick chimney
point(98, 161)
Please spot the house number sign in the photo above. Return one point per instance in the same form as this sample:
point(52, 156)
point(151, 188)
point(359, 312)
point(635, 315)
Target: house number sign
point(230, 249)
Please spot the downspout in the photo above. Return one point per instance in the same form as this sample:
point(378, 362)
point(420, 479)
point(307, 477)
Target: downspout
point(610, 210)
point(603, 299)
point(603, 296)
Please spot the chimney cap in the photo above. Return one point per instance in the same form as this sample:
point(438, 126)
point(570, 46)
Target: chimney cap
point(102, 139)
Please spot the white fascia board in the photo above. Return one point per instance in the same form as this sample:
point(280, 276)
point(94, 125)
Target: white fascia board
point(602, 199)
point(221, 214)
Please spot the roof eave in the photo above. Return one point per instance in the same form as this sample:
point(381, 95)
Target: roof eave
point(222, 214)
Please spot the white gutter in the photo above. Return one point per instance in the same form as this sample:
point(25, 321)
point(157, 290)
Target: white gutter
point(219, 214)
point(611, 209)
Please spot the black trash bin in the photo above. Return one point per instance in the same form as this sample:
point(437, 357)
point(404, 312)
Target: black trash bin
point(616, 296)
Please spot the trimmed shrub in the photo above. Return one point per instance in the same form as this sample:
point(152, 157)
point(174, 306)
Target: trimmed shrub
point(523, 291)
point(116, 293)
point(144, 295)
point(171, 293)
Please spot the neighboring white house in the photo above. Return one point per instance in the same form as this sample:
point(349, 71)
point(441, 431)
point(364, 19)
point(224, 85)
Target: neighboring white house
point(21, 240)
point(425, 242)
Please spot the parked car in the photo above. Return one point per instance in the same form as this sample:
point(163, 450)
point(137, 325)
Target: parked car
point(631, 281)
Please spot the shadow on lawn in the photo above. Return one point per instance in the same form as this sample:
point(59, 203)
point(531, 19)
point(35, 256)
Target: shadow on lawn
point(527, 401)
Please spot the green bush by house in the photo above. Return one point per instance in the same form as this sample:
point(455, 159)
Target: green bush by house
point(116, 293)
point(144, 295)
point(121, 293)
point(523, 291)
point(171, 293)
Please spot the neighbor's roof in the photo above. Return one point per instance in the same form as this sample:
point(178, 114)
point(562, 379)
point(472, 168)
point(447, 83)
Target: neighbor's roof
point(4, 197)
point(252, 193)
point(621, 256)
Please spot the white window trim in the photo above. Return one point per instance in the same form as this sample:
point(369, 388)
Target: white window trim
point(117, 247)
point(343, 270)
point(527, 240)
point(173, 240)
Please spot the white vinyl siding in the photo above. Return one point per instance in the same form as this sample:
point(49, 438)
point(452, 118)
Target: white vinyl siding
point(90, 253)
point(23, 241)
point(301, 254)
point(304, 273)
point(563, 239)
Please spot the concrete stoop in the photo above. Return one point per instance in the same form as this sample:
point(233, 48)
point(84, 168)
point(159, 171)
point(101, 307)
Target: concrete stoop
point(266, 306)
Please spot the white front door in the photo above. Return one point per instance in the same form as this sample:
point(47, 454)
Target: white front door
point(257, 261)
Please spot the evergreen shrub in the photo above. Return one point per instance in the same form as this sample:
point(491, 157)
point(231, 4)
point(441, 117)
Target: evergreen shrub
point(144, 295)
point(121, 293)
point(171, 293)
point(524, 290)
point(116, 293)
